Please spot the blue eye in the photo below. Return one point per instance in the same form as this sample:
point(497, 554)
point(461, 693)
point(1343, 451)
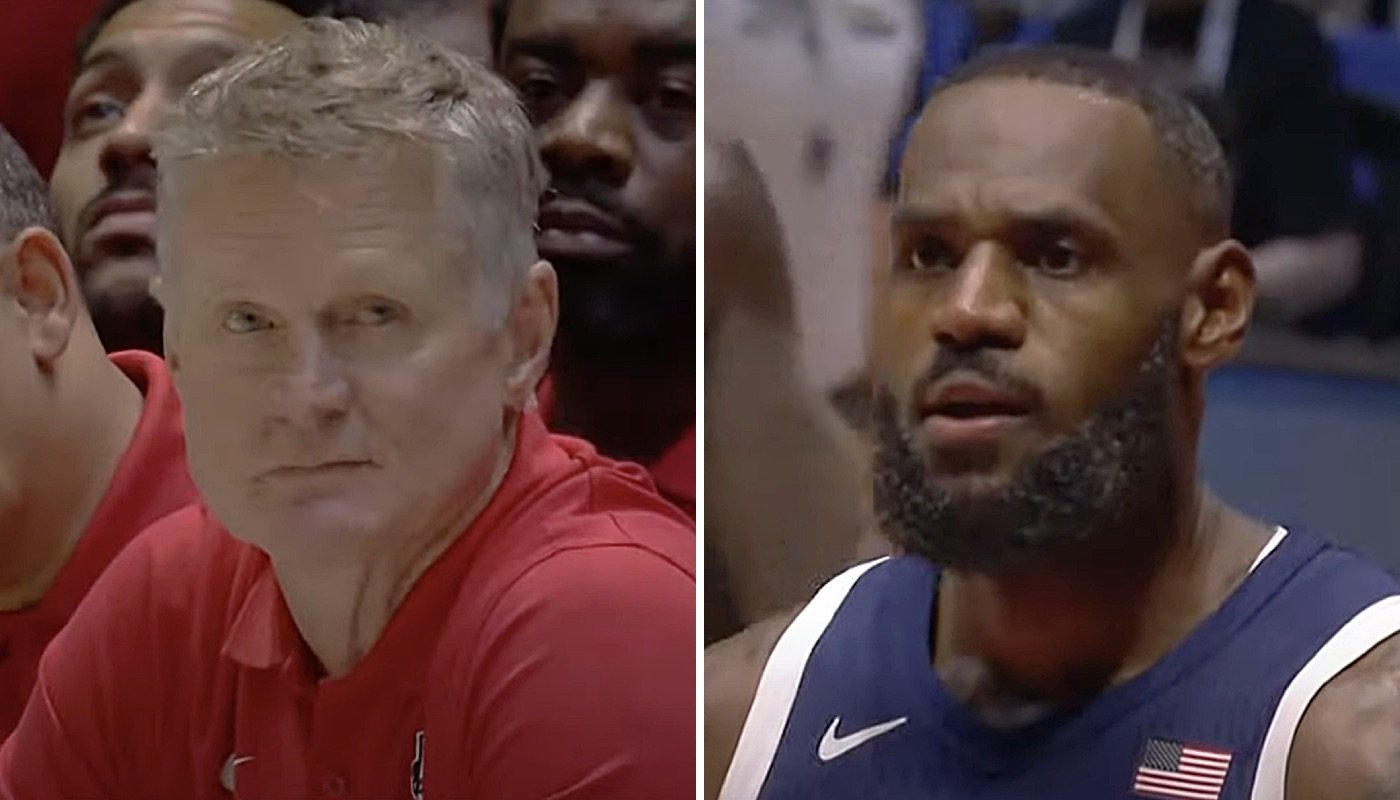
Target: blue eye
point(374, 314)
point(95, 113)
point(246, 321)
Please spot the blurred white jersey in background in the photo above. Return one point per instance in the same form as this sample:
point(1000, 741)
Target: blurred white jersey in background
point(815, 89)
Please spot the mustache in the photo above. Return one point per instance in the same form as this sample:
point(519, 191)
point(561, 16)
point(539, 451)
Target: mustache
point(138, 179)
point(606, 200)
point(987, 365)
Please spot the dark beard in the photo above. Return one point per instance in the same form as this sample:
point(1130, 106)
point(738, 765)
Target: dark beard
point(636, 314)
point(1104, 490)
point(128, 323)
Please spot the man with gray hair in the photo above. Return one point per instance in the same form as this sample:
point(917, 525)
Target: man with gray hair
point(91, 450)
point(398, 583)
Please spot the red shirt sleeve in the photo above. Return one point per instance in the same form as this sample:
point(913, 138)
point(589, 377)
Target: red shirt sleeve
point(584, 685)
point(83, 730)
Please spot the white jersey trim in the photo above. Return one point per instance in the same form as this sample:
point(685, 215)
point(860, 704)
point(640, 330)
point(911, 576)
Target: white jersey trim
point(1269, 547)
point(1359, 636)
point(777, 688)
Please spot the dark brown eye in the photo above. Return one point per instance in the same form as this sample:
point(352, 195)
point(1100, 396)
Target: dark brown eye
point(674, 97)
point(1059, 258)
point(931, 253)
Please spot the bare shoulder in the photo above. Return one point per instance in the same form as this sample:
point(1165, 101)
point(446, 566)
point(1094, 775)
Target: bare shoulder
point(1348, 743)
point(732, 671)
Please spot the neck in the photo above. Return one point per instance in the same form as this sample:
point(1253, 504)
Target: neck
point(87, 424)
point(1016, 646)
point(341, 609)
point(628, 412)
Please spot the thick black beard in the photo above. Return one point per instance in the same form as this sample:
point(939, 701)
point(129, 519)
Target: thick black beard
point(128, 325)
point(634, 315)
point(1102, 492)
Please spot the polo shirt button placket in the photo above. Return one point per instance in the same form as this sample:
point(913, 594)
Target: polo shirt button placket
point(333, 785)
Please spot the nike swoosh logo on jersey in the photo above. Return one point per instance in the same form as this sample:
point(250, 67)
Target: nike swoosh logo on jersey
point(833, 746)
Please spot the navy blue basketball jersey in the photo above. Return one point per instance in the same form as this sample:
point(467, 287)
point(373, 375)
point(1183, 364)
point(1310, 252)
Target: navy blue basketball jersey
point(849, 705)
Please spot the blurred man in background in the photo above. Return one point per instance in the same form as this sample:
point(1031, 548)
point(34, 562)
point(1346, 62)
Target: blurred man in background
point(812, 90)
point(785, 491)
point(398, 582)
point(610, 86)
point(135, 59)
point(91, 450)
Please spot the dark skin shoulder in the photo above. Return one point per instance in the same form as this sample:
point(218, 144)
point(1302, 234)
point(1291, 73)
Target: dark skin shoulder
point(1348, 743)
point(732, 671)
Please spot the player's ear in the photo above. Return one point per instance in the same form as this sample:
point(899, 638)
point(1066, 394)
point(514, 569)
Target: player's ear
point(1219, 304)
point(530, 326)
point(37, 276)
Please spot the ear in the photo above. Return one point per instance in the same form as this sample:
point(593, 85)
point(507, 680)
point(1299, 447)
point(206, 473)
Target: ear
point(534, 316)
point(37, 276)
point(1218, 306)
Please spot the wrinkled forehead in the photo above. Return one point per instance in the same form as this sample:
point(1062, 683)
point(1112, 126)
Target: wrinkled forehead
point(1009, 142)
point(392, 198)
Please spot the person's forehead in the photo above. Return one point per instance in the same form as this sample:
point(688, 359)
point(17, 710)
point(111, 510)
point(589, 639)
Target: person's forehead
point(195, 20)
point(256, 195)
point(583, 21)
point(1028, 136)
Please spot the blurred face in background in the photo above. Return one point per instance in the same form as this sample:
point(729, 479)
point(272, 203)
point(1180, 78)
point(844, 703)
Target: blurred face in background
point(342, 389)
point(611, 88)
point(103, 184)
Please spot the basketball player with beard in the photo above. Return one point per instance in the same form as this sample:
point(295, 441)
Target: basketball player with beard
point(1072, 614)
point(610, 86)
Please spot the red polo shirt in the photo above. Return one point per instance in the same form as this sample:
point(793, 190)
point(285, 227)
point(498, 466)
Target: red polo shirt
point(150, 482)
point(548, 653)
point(673, 473)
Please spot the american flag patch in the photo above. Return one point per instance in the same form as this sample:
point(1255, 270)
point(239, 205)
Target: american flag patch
point(1177, 770)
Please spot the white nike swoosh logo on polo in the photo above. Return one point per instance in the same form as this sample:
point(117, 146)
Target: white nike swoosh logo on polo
point(226, 777)
point(833, 746)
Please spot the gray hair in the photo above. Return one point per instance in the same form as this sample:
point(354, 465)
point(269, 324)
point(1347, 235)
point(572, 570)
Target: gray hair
point(24, 199)
point(349, 88)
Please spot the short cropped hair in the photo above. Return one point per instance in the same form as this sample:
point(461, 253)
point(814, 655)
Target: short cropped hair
point(24, 199)
point(350, 88)
point(339, 9)
point(1186, 137)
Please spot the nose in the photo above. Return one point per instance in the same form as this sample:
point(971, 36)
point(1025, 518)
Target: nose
point(315, 393)
point(985, 307)
point(591, 138)
point(127, 149)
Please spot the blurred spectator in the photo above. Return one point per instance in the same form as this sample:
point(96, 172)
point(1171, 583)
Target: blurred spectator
point(785, 490)
point(36, 67)
point(814, 90)
point(136, 57)
point(1262, 70)
point(611, 90)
